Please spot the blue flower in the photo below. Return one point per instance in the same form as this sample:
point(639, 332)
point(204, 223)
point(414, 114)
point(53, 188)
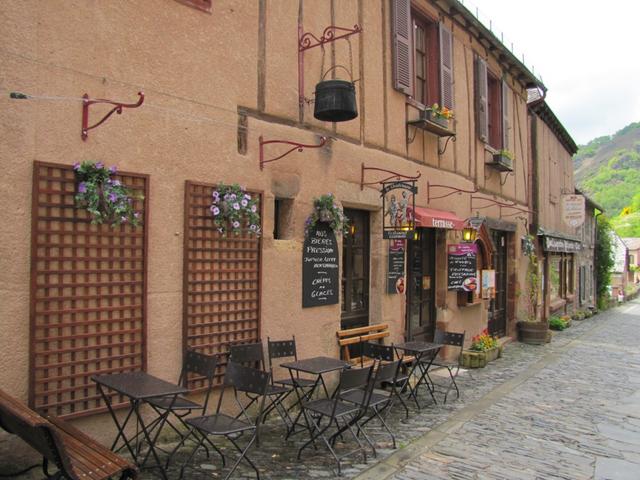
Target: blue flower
point(82, 187)
point(76, 166)
point(99, 165)
point(113, 169)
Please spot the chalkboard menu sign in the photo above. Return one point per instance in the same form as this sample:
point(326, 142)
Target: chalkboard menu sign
point(320, 270)
point(395, 271)
point(462, 269)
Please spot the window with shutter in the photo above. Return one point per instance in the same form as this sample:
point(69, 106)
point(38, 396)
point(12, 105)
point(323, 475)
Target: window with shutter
point(402, 54)
point(446, 67)
point(506, 123)
point(482, 103)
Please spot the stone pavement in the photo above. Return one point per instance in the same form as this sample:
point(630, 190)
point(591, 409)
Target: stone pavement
point(569, 410)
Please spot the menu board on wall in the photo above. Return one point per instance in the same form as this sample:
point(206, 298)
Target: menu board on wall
point(395, 269)
point(320, 267)
point(461, 263)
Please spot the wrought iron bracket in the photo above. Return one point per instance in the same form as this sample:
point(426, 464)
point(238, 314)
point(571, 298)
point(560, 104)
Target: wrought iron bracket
point(454, 190)
point(308, 40)
point(394, 175)
point(500, 205)
point(118, 106)
point(446, 143)
point(294, 146)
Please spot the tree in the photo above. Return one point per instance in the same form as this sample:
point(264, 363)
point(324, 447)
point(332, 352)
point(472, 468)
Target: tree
point(603, 260)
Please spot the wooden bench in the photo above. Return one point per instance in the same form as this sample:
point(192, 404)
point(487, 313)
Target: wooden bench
point(354, 336)
point(76, 455)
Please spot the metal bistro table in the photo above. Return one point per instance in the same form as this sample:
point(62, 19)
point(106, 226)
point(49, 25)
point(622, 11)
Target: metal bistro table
point(138, 387)
point(425, 353)
point(317, 366)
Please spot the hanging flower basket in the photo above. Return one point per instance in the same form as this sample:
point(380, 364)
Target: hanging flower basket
point(234, 210)
point(105, 198)
point(325, 210)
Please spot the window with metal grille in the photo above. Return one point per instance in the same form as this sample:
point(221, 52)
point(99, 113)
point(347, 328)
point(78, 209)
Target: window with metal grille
point(221, 299)
point(88, 295)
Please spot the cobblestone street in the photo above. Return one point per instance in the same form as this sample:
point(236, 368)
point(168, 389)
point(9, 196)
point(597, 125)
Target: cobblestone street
point(573, 414)
point(566, 410)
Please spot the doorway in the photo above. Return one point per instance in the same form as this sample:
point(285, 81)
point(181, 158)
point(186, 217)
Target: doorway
point(421, 285)
point(498, 318)
point(355, 271)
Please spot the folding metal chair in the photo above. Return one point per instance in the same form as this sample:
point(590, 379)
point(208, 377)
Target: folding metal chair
point(379, 402)
point(336, 410)
point(385, 353)
point(249, 381)
point(252, 355)
point(195, 363)
point(455, 340)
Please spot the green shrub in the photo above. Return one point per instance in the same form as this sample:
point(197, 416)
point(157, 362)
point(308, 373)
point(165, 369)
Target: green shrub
point(556, 323)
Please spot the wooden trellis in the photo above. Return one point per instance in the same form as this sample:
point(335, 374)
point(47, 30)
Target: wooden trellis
point(222, 287)
point(88, 295)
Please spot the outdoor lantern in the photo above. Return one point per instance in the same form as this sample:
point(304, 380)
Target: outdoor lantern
point(469, 233)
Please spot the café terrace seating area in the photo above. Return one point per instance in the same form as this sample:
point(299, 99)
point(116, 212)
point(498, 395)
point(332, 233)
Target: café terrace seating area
point(336, 410)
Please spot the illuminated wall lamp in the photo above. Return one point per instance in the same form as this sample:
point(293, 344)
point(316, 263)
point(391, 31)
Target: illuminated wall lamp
point(469, 233)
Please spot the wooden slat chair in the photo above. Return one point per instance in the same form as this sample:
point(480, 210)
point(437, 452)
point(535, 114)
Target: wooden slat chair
point(76, 455)
point(359, 335)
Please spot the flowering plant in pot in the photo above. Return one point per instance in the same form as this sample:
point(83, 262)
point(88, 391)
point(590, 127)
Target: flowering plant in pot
point(440, 115)
point(233, 208)
point(105, 198)
point(484, 349)
point(325, 210)
point(483, 342)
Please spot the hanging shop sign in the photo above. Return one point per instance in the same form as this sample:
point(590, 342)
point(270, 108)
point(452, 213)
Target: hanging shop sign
point(320, 267)
point(462, 268)
point(398, 205)
point(573, 210)
point(560, 245)
point(395, 270)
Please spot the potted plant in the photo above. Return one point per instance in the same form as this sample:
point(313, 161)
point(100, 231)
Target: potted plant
point(234, 210)
point(531, 330)
point(439, 115)
point(105, 198)
point(503, 160)
point(325, 210)
point(484, 349)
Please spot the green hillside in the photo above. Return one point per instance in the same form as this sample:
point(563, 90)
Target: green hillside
point(607, 169)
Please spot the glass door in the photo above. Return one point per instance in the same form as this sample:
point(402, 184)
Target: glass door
point(355, 271)
point(421, 286)
point(498, 321)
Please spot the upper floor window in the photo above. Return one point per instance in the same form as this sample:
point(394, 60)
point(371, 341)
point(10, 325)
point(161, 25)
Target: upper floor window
point(492, 107)
point(422, 56)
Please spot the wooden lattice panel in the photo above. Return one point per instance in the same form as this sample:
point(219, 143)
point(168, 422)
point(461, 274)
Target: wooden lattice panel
point(221, 282)
point(88, 295)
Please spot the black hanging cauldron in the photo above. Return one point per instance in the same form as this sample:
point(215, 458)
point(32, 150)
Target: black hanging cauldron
point(335, 100)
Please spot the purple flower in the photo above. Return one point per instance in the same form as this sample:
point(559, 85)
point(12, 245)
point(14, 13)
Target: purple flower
point(244, 202)
point(76, 166)
point(253, 227)
point(220, 230)
point(123, 219)
point(82, 187)
point(232, 196)
point(136, 214)
point(116, 183)
point(113, 169)
point(226, 196)
point(253, 208)
point(236, 206)
point(236, 224)
point(113, 197)
point(99, 165)
point(247, 196)
point(215, 195)
point(215, 210)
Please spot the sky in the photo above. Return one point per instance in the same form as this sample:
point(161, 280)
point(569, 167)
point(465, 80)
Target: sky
point(585, 51)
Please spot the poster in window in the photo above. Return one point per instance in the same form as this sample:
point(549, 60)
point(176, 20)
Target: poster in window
point(488, 284)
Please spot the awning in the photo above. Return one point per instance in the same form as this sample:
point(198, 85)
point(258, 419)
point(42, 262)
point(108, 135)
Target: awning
point(429, 217)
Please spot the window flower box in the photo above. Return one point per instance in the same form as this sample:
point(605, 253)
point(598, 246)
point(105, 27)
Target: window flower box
point(502, 161)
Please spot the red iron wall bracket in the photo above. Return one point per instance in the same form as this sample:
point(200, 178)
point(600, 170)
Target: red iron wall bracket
point(87, 102)
point(295, 146)
point(308, 40)
point(394, 175)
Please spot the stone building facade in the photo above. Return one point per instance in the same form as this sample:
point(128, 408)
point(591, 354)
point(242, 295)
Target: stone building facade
point(222, 81)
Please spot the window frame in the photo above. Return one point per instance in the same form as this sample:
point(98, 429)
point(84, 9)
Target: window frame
point(431, 89)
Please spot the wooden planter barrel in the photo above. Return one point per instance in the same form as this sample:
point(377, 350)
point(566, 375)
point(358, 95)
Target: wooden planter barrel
point(533, 333)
